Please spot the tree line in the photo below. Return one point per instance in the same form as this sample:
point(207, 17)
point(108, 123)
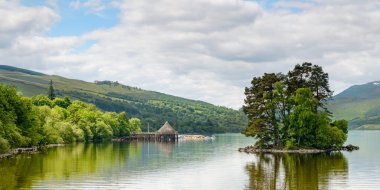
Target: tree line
point(186, 116)
point(42, 120)
point(289, 110)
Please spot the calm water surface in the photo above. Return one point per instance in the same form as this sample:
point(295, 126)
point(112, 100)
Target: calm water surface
point(193, 165)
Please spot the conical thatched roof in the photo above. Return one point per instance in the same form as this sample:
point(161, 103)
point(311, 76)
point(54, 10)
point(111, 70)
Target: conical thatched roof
point(166, 129)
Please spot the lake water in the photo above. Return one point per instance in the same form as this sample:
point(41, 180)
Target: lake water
point(193, 165)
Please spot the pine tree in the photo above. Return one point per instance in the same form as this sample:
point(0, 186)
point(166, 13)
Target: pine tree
point(51, 93)
point(310, 76)
point(261, 105)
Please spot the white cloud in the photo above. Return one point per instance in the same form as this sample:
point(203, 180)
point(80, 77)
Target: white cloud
point(207, 50)
point(18, 21)
point(94, 6)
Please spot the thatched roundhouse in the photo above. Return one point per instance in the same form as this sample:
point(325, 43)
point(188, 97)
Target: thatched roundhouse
point(167, 133)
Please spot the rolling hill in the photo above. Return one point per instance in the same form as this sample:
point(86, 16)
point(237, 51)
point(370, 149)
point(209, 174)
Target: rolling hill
point(360, 105)
point(187, 116)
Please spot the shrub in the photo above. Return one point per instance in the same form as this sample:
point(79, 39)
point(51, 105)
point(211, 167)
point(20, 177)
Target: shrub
point(41, 100)
point(102, 131)
point(341, 124)
point(330, 137)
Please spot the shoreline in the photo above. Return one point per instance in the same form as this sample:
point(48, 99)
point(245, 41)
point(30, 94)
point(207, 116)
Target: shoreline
point(30, 150)
point(253, 150)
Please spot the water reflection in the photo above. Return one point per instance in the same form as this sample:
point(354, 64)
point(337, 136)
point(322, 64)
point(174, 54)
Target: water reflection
point(166, 148)
point(64, 162)
point(294, 171)
point(191, 165)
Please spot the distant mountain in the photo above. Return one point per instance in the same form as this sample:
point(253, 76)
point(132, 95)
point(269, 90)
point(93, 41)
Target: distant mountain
point(360, 105)
point(187, 116)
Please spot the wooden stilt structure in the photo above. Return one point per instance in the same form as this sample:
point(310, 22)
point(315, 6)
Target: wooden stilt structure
point(165, 134)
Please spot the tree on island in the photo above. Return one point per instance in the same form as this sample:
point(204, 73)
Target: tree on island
point(289, 111)
point(51, 93)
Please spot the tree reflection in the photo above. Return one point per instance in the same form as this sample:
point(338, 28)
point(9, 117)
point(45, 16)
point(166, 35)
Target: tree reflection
point(296, 171)
point(64, 162)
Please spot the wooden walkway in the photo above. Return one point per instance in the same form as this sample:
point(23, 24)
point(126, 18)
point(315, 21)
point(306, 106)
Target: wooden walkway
point(154, 136)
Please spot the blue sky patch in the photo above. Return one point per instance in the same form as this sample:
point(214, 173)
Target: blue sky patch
point(75, 22)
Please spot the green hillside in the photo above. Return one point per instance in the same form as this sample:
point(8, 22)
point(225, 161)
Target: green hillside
point(187, 116)
point(360, 105)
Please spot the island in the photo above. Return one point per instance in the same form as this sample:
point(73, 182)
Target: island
point(287, 113)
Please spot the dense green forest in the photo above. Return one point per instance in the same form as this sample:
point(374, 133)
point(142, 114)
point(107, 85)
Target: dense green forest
point(289, 111)
point(186, 116)
point(26, 122)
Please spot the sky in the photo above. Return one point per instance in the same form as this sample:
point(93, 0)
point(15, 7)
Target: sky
point(206, 50)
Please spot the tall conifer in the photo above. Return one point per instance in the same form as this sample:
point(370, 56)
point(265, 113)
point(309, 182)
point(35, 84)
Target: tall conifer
point(51, 93)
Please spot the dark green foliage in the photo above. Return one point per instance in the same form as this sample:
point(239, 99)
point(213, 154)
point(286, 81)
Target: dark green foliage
point(341, 124)
point(63, 103)
point(110, 83)
point(41, 100)
point(305, 124)
point(51, 93)
point(329, 137)
point(310, 76)
point(23, 124)
point(261, 109)
point(289, 111)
